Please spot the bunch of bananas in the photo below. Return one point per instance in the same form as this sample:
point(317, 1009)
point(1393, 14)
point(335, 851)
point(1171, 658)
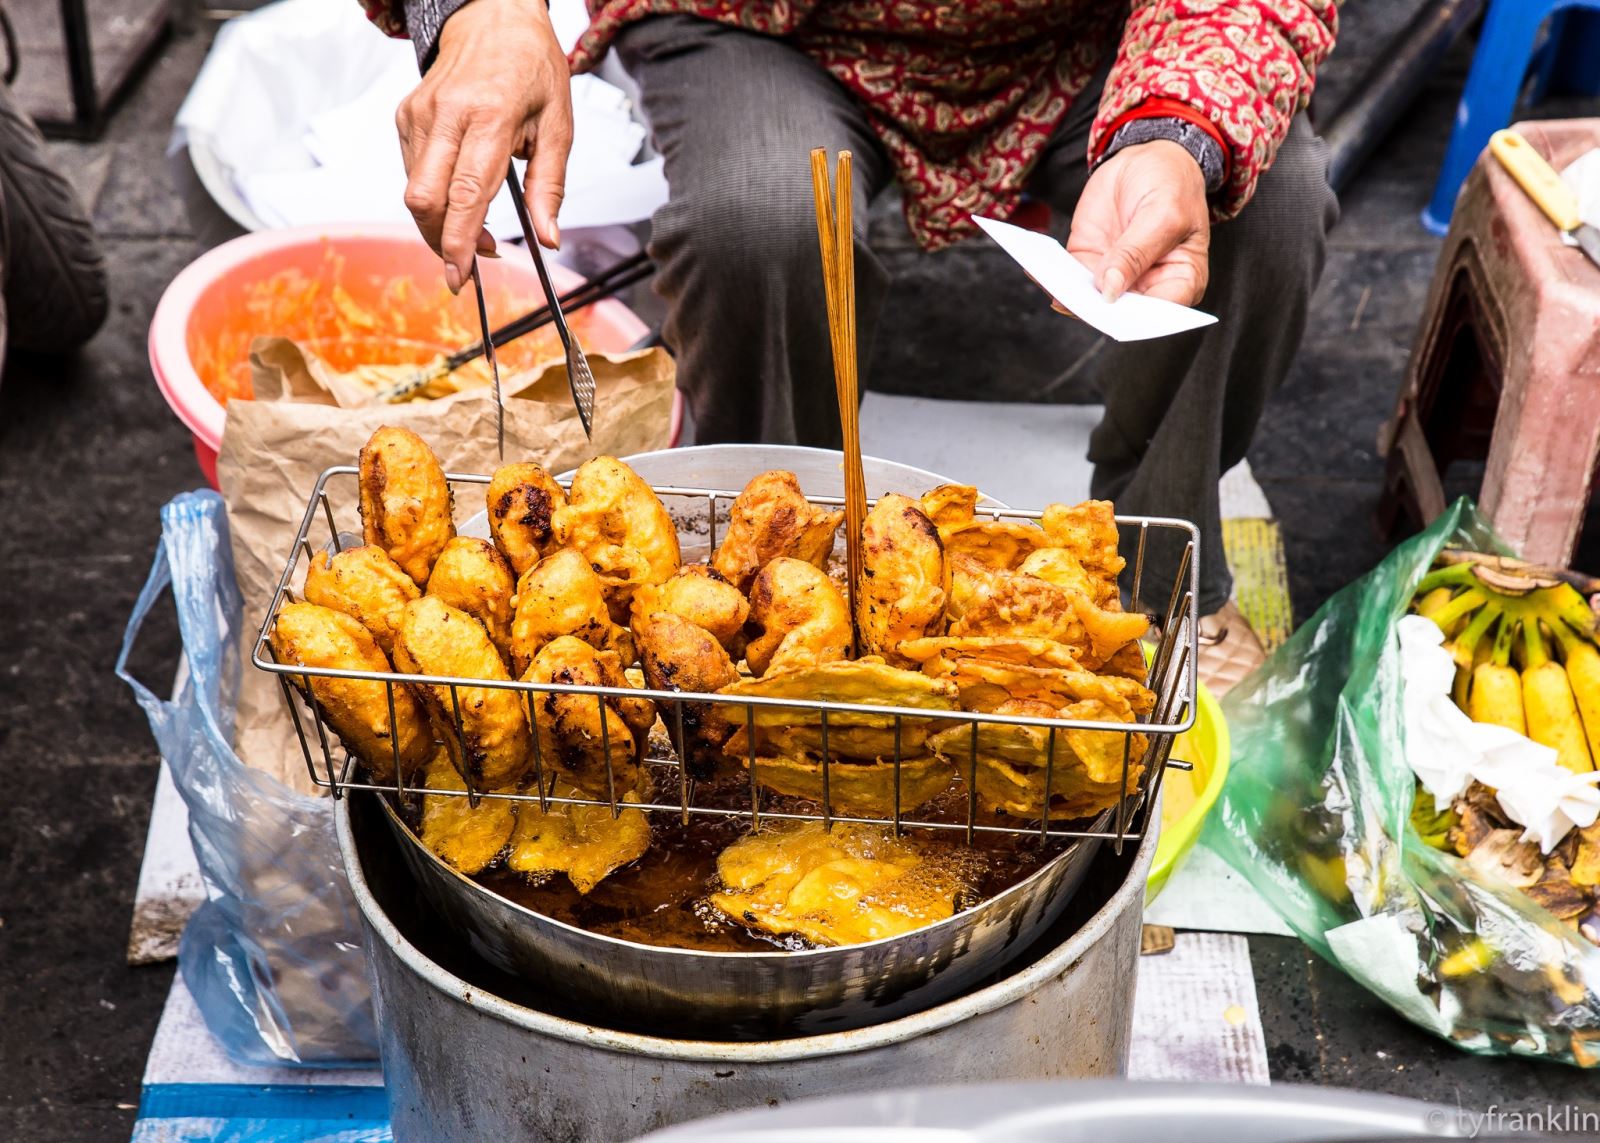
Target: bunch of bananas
point(1523, 641)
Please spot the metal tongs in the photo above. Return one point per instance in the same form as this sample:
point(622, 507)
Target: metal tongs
point(579, 378)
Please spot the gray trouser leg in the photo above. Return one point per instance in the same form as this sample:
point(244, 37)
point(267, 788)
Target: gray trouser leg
point(735, 115)
point(1180, 411)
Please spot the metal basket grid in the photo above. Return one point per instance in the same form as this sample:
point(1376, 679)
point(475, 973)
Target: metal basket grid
point(1171, 674)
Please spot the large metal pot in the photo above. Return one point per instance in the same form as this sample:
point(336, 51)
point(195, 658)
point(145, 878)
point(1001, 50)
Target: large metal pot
point(750, 995)
point(469, 1054)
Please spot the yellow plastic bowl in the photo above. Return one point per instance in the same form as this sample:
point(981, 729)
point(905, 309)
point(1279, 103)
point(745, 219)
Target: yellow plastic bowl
point(1187, 796)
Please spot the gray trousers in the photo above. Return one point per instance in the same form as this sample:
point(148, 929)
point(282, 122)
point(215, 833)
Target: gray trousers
point(735, 116)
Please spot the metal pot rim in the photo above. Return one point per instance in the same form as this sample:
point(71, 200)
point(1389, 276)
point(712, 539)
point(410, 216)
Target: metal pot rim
point(984, 1000)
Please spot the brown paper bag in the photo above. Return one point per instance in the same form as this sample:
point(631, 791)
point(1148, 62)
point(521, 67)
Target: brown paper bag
point(306, 418)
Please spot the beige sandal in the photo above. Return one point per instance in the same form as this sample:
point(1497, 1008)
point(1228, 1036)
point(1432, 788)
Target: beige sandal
point(1229, 649)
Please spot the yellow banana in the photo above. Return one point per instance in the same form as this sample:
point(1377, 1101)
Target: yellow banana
point(1552, 712)
point(1583, 676)
point(1496, 696)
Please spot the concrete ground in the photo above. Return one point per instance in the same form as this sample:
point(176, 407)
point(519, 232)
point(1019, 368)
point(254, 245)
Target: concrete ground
point(89, 452)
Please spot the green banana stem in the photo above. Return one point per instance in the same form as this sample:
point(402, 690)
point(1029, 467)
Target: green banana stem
point(1465, 647)
point(1504, 637)
point(1455, 575)
point(1533, 648)
point(1460, 607)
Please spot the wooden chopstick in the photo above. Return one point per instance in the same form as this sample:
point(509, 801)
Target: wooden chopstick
point(836, 236)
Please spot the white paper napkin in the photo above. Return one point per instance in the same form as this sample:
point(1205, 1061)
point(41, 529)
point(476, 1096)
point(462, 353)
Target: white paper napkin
point(1132, 317)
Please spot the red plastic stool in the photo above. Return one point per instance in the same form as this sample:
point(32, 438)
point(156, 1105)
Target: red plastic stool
point(1507, 365)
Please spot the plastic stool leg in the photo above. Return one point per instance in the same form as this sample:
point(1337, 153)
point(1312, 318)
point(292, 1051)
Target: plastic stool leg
point(1499, 66)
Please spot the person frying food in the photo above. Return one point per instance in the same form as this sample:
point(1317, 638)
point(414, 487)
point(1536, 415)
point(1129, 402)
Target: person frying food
point(1172, 131)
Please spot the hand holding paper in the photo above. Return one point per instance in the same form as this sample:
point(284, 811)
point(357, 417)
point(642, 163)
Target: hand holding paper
point(1132, 317)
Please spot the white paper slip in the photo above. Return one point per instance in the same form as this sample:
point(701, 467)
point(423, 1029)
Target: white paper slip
point(1132, 317)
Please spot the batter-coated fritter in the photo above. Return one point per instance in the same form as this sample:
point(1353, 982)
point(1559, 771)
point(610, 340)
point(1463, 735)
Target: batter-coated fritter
point(678, 655)
point(365, 584)
point(561, 595)
point(491, 750)
point(904, 580)
point(619, 524)
point(1000, 544)
point(464, 836)
point(309, 635)
point(584, 842)
point(472, 576)
point(845, 886)
point(771, 518)
point(1089, 532)
point(988, 602)
point(798, 618)
point(405, 500)
point(574, 736)
point(522, 500)
point(702, 596)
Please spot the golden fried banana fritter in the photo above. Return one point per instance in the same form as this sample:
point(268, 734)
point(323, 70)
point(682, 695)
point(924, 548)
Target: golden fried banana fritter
point(678, 655)
point(702, 596)
point(561, 595)
point(491, 750)
point(522, 500)
point(905, 581)
point(619, 524)
point(989, 602)
point(309, 635)
point(798, 618)
point(575, 737)
point(842, 886)
point(994, 543)
point(472, 576)
point(366, 585)
point(1061, 567)
point(464, 836)
point(405, 500)
point(1089, 532)
point(950, 505)
point(584, 842)
point(771, 518)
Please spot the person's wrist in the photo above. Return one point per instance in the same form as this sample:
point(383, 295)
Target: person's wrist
point(471, 16)
point(1178, 135)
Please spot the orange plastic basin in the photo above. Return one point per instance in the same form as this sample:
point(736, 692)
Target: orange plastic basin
point(353, 293)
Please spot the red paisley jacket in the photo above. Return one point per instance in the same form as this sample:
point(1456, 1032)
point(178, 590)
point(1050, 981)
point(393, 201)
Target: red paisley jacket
point(965, 94)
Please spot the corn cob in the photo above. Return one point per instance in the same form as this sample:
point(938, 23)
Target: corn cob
point(1496, 696)
point(1551, 711)
point(1582, 660)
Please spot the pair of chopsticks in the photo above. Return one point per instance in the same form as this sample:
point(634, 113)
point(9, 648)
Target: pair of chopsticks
point(836, 234)
point(603, 285)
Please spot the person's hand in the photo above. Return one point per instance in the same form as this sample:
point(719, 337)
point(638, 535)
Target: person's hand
point(1142, 224)
point(499, 87)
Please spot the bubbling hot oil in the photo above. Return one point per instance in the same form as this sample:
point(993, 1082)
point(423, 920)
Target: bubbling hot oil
point(661, 899)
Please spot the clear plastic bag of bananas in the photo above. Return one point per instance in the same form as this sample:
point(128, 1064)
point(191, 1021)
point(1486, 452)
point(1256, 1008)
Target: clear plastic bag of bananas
point(1460, 913)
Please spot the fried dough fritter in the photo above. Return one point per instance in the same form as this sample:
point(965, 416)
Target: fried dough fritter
point(771, 518)
point(847, 741)
point(704, 597)
point(1089, 532)
point(522, 500)
point(678, 655)
point(856, 786)
point(491, 750)
point(562, 595)
point(1001, 544)
point(310, 635)
point(798, 618)
point(575, 738)
point(365, 584)
point(904, 579)
point(584, 842)
point(1085, 776)
point(405, 500)
point(1023, 652)
point(990, 602)
point(848, 886)
point(1061, 567)
point(1047, 684)
point(619, 524)
point(867, 680)
point(472, 576)
point(465, 837)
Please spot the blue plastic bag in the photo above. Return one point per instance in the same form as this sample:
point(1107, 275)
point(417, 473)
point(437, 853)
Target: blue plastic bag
point(273, 956)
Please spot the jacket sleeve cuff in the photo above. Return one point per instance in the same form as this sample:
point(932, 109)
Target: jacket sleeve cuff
point(425, 20)
point(1175, 122)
